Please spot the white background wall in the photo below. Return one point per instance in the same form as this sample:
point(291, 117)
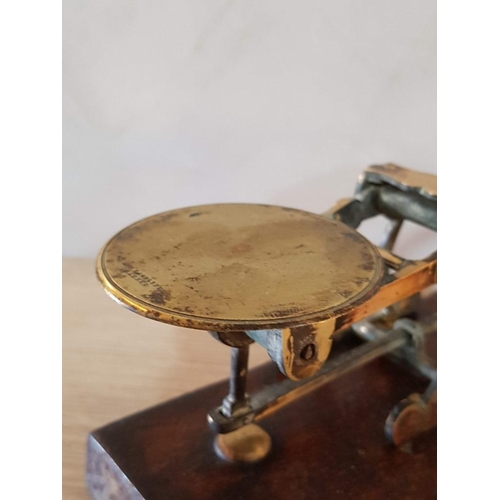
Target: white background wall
point(171, 103)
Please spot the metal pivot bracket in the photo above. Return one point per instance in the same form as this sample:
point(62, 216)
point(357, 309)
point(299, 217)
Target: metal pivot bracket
point(239, 439)
point(302, 352)
point(398, 194)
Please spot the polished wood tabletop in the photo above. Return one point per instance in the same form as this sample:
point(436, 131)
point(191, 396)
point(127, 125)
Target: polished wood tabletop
point(116, 363)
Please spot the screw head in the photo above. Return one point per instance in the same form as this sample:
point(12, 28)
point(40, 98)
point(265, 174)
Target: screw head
point(308, 352)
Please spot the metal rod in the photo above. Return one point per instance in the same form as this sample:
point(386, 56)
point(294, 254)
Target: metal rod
point(368, 330)
point(274, 396)
point(238, 379)
point(391, 235)
point(237, 399)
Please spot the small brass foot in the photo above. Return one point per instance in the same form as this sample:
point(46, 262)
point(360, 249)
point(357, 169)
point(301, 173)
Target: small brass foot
point(248, 444)
point(412, 416)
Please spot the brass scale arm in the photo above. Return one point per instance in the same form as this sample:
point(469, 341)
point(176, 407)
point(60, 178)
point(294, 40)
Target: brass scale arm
point(399, 194)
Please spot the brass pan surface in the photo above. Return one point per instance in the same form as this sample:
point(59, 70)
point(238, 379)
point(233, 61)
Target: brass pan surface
point(233, 267)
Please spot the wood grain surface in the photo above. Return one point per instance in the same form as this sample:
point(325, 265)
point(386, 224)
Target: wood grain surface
point(116, 363)
point(329, 445)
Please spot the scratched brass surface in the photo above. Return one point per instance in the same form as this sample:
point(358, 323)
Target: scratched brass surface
point(230, 267)
point(405, 179)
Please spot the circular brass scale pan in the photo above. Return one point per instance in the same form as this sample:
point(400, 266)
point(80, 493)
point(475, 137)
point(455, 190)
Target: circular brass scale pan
point(233, 267)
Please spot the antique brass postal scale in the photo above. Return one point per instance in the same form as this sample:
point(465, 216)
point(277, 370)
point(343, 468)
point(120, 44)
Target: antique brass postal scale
point(323, 301)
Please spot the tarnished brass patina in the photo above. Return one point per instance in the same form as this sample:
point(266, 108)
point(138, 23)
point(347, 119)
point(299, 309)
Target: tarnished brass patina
point(234, 267)
point(401, 178)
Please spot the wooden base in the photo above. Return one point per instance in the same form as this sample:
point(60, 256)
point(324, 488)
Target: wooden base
point(329, 444)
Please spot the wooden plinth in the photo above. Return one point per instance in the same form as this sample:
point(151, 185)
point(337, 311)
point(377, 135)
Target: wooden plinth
point(329, 444)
